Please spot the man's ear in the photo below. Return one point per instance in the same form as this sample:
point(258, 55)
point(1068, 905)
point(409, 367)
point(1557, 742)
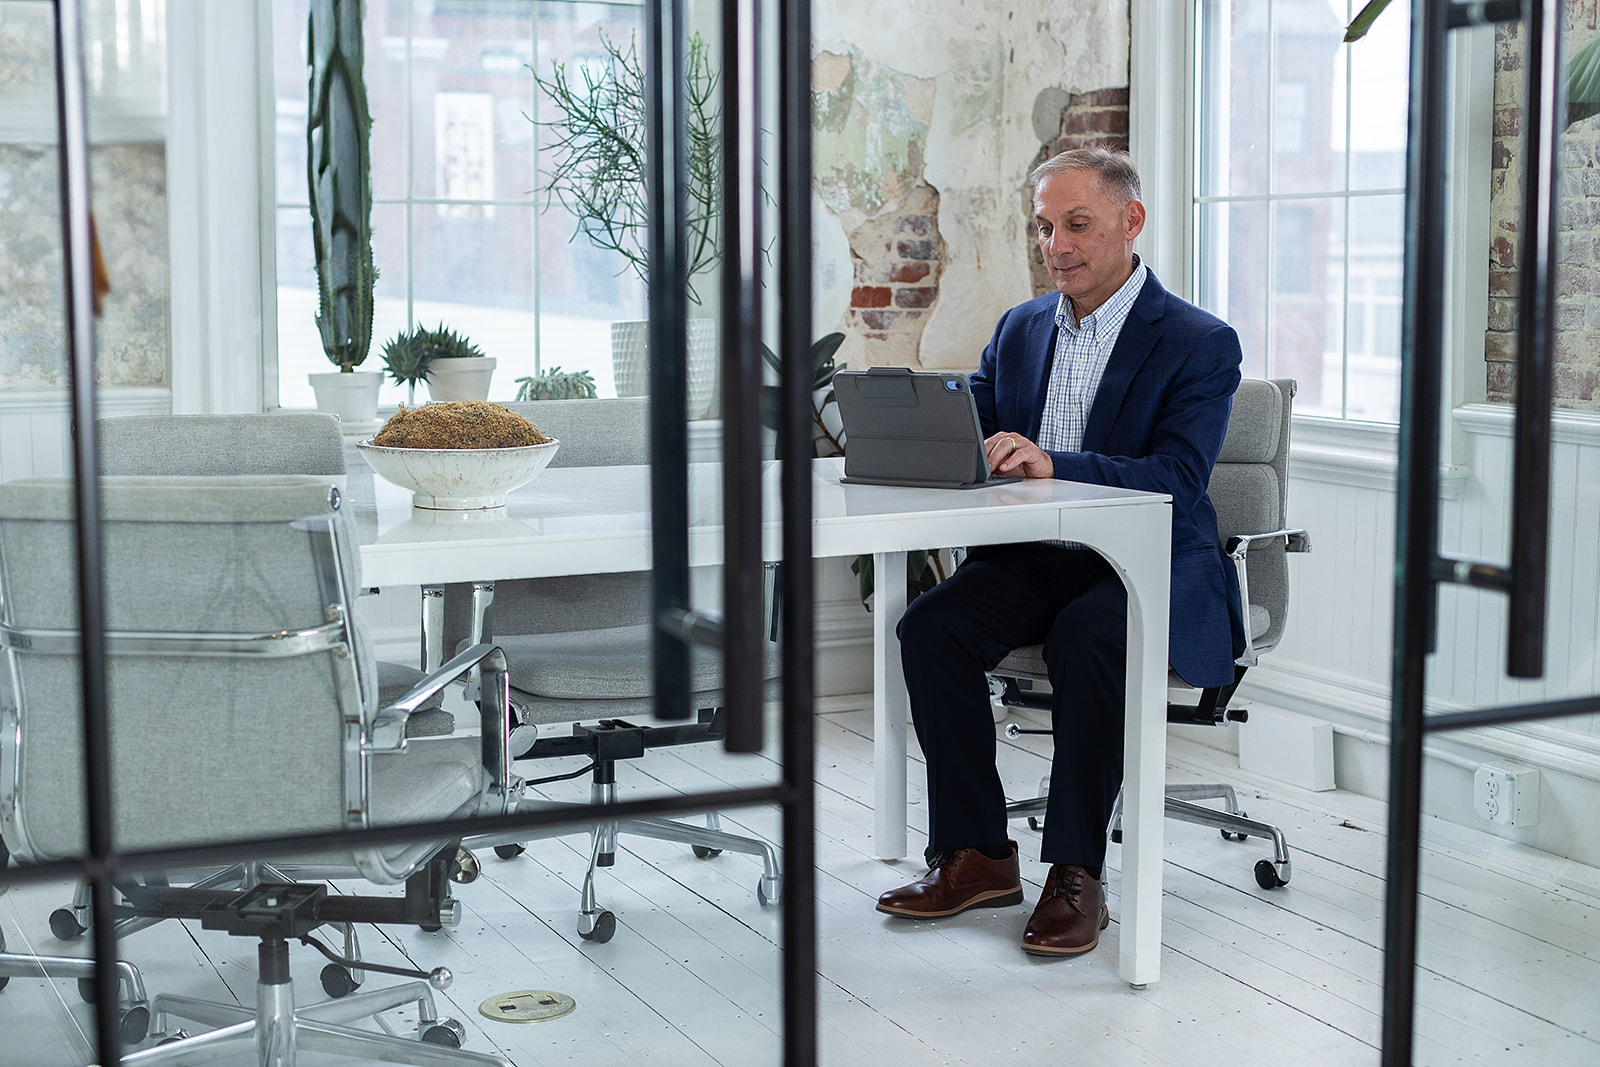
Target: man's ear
point(1133, 218)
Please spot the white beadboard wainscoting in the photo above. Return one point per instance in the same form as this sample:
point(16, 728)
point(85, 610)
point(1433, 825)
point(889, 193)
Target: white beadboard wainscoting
point(1334, 660)
point(34, 442)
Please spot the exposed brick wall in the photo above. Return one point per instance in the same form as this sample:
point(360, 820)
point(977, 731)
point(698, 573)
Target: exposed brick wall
point(1577, 313)
point(897, 259)
point(1098, 117)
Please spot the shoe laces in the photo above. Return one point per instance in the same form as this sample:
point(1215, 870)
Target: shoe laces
point(942, 859)
point(1066, 883)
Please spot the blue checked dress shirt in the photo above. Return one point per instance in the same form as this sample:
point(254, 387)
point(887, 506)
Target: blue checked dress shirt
point(1083, 348)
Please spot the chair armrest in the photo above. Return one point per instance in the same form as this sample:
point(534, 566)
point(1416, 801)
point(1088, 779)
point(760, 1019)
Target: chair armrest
point(1295, 540)
point(388, 729)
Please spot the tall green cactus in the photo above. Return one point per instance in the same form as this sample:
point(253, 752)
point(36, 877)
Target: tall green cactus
point(339, 176)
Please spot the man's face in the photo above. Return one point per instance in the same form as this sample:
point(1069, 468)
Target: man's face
point(1086, 237)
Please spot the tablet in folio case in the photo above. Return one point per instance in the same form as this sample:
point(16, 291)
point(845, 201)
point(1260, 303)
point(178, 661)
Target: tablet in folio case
point(915, 428)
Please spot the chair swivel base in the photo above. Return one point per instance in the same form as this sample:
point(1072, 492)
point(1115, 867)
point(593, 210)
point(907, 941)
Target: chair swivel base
point(1180, 804)
point(277, 1030)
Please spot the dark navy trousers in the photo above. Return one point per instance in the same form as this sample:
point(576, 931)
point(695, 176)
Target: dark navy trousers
point(1004, 597)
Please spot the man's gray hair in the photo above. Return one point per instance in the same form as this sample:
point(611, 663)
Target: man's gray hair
point(1118, 176)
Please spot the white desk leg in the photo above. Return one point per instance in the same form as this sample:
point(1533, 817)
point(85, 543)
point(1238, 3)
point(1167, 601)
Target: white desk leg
point(889, 705)
point(1145, 756)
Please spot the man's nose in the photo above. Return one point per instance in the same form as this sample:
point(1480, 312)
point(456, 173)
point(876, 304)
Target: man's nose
point(1058, 243)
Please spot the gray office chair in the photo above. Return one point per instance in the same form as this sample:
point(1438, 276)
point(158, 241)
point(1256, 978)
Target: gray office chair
point(273, 443)
point(243, 703)
point(579, 649)
point(1249, 489)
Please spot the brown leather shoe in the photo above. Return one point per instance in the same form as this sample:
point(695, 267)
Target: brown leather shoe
point(1071, 913)
point(957, 880)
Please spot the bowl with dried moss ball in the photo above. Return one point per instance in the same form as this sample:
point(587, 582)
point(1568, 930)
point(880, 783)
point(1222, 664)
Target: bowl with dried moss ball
point(458, 456)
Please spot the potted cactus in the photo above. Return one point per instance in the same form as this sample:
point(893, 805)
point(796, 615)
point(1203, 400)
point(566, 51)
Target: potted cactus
point(339, 180)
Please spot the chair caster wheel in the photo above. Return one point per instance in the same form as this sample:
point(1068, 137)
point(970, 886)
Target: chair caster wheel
point(509, 852)
point(769, 891)
point(86, 990)
point(602, 929)
point(1267, 875)
point(521, 742)
point(1116, 837)
point(4, 979)
point(701, 852)
point(64, 924)
point(446, 1032)
point(1034, 823)
point(338, 982)
point(134, 1025)
point(1230, 836)
point(175, 1037)
point(465, 868)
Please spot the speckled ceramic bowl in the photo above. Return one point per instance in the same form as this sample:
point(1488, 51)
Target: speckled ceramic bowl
point(459, 479)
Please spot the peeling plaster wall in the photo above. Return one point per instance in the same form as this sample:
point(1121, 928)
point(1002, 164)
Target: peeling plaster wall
point(954, 82)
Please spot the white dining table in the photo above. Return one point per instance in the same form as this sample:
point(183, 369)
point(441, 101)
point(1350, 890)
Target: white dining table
point(577, 520)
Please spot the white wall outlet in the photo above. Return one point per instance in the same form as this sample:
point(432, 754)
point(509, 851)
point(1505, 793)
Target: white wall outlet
point(1506, 795)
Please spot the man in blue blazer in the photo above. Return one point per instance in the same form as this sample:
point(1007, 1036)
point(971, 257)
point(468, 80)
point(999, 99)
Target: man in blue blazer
point(1115, 381)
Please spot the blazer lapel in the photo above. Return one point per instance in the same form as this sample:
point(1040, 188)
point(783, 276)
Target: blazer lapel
point(1039, 356)
point(1134, 344)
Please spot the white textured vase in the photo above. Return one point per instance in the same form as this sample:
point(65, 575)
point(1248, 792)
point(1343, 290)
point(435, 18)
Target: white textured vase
point(630, 361)
point(460, 378)
point(353, 397)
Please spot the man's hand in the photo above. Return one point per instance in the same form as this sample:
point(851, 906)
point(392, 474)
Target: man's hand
point(1012, 453)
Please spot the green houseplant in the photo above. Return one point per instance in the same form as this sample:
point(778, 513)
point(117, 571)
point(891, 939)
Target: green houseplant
point(598, 144)
point(453, 367)
point(557, 384)
point(339, 184)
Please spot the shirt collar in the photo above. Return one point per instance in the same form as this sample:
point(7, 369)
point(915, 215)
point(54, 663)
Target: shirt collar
point(1114, 310)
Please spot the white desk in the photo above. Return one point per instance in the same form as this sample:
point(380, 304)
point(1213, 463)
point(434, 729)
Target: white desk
point(582, 521)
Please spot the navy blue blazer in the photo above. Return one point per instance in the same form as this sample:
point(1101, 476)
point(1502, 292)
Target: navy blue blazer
point(1157, 424)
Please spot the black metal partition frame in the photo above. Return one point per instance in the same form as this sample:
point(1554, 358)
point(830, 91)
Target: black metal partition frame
point(1421, 568)
point(678, 626)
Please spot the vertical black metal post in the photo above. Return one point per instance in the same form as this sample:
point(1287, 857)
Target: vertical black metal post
point(1415, 604)
point(667, 180)
point(742, 584)
point(794, 443)
point(72, 128)
point(1536, 306)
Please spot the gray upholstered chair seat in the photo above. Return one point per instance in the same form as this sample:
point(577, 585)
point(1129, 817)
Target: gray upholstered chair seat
point(430, 720)
point(1028, 661)
point(603, 664)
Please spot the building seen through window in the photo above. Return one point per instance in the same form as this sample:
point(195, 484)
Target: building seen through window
point(1299, 208)
point(461, 234)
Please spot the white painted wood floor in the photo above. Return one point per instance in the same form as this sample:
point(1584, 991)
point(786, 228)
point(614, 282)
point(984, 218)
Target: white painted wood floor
point(1510, 944)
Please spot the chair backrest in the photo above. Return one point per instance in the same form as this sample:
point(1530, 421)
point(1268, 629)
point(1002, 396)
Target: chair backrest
point(593, 433)
point(208, 743)
point(274, 442)
point(1249, 489)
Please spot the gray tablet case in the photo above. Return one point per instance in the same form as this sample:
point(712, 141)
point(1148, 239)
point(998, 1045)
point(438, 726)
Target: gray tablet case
point(916, 428)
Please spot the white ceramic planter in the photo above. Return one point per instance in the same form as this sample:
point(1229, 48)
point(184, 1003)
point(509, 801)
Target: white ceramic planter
point(353, 397)
point(630, 361)
point(460, 378)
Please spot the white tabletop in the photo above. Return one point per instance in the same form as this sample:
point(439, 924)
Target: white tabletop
point(580, 520)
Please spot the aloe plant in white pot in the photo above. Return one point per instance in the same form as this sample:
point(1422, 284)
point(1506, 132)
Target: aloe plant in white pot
point(599, 176)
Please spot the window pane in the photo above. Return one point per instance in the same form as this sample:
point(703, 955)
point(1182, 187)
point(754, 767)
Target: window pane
point(1377, 260)
point(1307, 329)
point(289, 81)
point(1308, 97)
point(1234, 97)
point(1233, 275)
point(299, 346)
point(470, 94)
point(385, 43)
point(475, 275)
point(1378, 93)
